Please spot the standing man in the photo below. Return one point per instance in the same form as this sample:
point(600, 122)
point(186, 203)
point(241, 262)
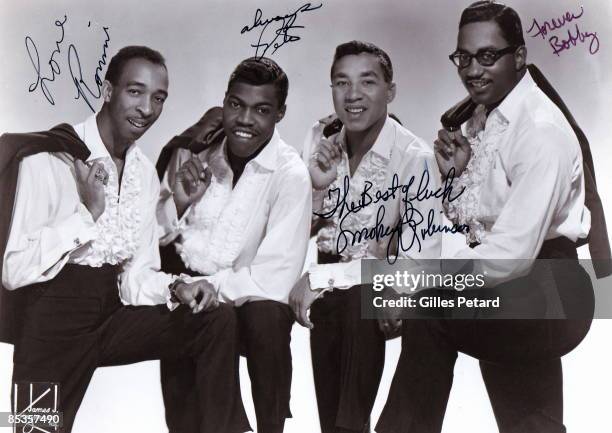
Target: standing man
point(82, 251)
point(369, 151)
point(522, 167)
point(247, 235)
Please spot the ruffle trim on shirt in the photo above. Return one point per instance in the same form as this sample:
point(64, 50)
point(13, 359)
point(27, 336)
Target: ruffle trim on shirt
point(217, 226)
point(466, 210)
point(373, 168)
point(118, 228)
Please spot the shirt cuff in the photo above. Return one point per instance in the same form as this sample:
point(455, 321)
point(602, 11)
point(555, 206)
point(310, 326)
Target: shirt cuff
point(78, 229)
point(167, 217)
point(335, 275)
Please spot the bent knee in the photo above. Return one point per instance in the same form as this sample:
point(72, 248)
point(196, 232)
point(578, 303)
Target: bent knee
point(265, 323)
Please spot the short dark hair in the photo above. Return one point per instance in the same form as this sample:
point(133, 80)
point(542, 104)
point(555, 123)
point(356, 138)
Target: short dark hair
point(125, 54)
point(506, 18)
point(258, 71)
point(358, 47)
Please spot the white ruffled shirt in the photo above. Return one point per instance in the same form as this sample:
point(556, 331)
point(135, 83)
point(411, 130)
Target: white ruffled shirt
point(396, 151)
point(51, 227)
point(249, 241)
point(524, 183)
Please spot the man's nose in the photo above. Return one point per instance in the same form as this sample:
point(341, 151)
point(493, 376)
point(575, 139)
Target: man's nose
point(245, 117)
point(145, 107)
point(354, 92)
point(474, 69)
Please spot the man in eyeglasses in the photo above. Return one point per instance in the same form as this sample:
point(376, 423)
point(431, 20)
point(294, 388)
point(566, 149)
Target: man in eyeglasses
point(521, 164)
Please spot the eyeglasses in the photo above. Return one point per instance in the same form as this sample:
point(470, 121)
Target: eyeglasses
point(485, 57)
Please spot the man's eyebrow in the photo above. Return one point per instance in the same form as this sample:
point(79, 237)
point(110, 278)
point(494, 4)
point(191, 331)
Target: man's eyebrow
point(257, 104)
point(487, 48)
point(140, 84)
point(368, 73)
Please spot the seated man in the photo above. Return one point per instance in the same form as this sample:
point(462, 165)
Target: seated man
point(521, 164)
point(247, 235)
point(82, 254)
point(371, 149)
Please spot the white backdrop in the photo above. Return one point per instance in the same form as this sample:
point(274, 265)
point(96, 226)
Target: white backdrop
point(202, 43)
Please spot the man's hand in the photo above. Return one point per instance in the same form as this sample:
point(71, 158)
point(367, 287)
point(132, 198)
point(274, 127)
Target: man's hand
point(300, 300)
point(90, 185)
point(391, 328)
point(192, 181)
point(391, 324)
point(323, 164)
point(452, 150)
point(190, 293)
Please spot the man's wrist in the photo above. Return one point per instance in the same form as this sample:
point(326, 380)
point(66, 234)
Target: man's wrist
point(172, 288)
point(180, 207)
point(95, 212)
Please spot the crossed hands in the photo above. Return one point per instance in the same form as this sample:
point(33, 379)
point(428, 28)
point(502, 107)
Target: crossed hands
point(199, 295)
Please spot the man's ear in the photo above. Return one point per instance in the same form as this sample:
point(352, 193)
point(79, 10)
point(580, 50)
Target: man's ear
point(281, 113)
point(107, 91)
point(520, 57)
point(391, 93)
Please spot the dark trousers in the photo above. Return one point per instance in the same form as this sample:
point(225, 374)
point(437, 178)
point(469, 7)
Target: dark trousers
point(76, 323)
point(265, 335)
point(348, 355)
point(519, 360)
point(264, 339)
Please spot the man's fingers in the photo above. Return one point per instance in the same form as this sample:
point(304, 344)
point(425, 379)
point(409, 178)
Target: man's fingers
point(206, 176)
point(440, 148)
point(446, 142)
point(210, 304)
point(301, 313)
point(461, 141)
point(390, 327)
point(328, 146)
point(325, 155)
point(302, 317)
point(190, 179)
point(97, 173)
point(200, 306)
point(192, 169)
point(197, 163)
point(92, 171)
point(323, 161)
point(444, 136)
point(383, 326)
point(81, 170)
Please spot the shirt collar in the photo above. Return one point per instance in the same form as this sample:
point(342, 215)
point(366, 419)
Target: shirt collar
point(510, 107)
point(384, 142)
point(268, 157)
point(90, 134)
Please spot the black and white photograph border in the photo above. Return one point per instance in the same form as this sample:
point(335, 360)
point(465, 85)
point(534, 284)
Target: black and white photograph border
point(46, 45)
